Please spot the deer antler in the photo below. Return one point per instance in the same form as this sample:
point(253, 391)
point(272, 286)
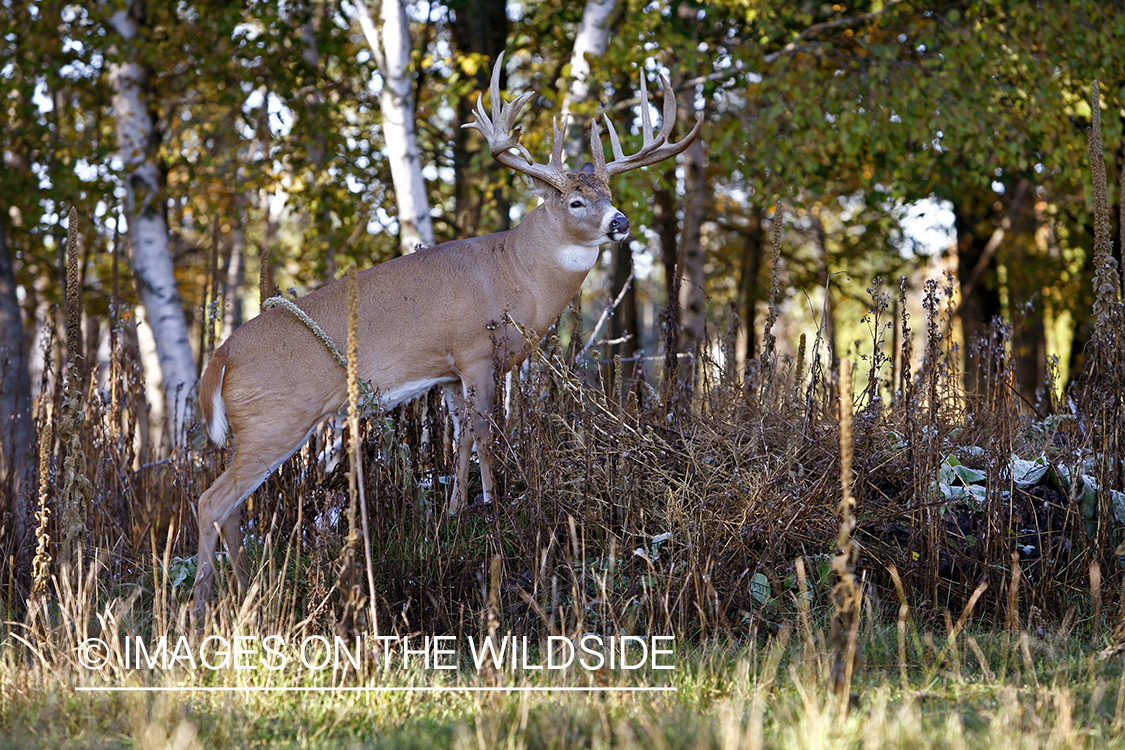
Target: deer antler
point(503, 134)
point(653, 149)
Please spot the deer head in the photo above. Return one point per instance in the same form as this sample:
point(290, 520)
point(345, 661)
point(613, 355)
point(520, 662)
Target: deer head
point(577, 194)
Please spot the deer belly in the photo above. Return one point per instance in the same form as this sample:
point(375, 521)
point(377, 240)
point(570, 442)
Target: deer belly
point(410, 390)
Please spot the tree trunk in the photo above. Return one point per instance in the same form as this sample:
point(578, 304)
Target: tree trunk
point(138, 140)
point(625, 323)
point(271, 221)
point(392, 53)
point(664, 216)
point(693, 291)
point(829, 311)
point(748, 285)
point(980, 299)
point(592, 39)
point(15, 404)
point(480, 27)
point(232, 310)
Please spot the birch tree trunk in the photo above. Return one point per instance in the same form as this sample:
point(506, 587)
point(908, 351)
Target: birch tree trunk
point(592, 39)
point(137, 140)
point(590, 42)
point(392, 54)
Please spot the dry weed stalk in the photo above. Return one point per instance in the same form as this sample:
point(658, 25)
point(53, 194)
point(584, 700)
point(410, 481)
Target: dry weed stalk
point(1121, 207)
point(1012, 613)
point(77, 488)
point(265, 273)
point(1117, 639)
point(211, 296)
point(41, 564)
point(767, 361)
point(492, 672)
point(847, 595)
point(1096, 591)
point(348, 580)
point(1105, 372)
point(1107, 278)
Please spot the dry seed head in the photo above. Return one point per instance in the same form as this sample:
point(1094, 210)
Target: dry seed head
point(77, 489)
point(353, 404)
point(1107, 279)
point(73, 298)
point(41, 565)
point(846, 596)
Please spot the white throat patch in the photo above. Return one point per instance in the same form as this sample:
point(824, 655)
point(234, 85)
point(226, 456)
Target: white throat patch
point(579, 257)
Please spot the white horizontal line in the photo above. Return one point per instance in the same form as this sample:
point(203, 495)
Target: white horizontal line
point(346, 689)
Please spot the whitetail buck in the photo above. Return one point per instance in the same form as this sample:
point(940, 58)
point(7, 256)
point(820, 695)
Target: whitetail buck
point(426, 319)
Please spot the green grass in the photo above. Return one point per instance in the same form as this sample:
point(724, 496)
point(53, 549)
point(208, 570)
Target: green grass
point(988, 689)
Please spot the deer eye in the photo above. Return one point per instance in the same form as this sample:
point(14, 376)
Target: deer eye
point(576, 204)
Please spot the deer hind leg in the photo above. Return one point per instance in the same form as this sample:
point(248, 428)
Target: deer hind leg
point(232, 539)
point(476, 411)
point(218, 508)
point(254, 460)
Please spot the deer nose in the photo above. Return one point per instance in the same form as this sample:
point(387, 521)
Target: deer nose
point(618, 227)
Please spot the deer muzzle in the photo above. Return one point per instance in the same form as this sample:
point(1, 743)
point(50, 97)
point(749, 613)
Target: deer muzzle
point(618, 230)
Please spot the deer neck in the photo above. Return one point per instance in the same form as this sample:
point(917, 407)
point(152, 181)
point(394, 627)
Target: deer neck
point(551, 262)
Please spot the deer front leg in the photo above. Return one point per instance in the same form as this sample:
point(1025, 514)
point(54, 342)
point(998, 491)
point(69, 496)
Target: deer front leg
point(476, 412)
point(204, 570)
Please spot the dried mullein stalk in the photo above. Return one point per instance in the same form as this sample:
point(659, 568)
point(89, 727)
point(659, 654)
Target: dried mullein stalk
point(41, 564)
point(1107, 279)
point(847, 595)
point(77, 488)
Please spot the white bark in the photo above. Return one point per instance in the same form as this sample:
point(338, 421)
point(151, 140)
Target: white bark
point(392, 54)
point(148, 232)
point(592, 39)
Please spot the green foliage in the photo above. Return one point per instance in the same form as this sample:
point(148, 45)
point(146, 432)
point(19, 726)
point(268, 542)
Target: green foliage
point(832, 106)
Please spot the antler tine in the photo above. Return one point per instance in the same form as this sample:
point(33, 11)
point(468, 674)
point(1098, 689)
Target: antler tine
point(494, 89)
point(669, 108)
point(503, 134)
point(646, 116)
point(614, 141)
point(596, 152)
point(558, 140)
point(653, 148)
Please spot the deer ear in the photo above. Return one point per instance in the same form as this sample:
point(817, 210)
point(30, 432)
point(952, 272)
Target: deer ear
point(538, 187)
point(587, 168)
